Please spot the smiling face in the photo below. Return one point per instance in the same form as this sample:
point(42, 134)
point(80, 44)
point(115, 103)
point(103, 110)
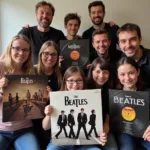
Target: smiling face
point(101, 43)
point(72, 27)
point(75, 82)
point(128, 76)
point(100, 76)
point(129, 43)
point(20, 51)
point(49, 57)
point(44, 16)
point(97, 15)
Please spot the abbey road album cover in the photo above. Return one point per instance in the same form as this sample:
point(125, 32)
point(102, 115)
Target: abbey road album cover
point(75, 53)
point(25, 97)
point(129, 111)
point(76, 117)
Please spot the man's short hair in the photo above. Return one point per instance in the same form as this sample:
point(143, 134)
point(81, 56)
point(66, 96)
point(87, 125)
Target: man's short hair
point(130, 27)
point(44, 3)
point(72, 110)
point(92, 111)
point(72, 16)
point(62, 111)
point(100, 32)
point(96, 3)
point(82, 109)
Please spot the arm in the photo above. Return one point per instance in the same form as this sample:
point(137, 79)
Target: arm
point(46, 123)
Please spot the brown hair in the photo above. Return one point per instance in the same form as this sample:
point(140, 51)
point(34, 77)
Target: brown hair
point(72, 16)
point(44, 3)
point(69, 72)
point(130, 61)
point(103, 65)
point(40, 69)
point(96, 3)
point(100, 32)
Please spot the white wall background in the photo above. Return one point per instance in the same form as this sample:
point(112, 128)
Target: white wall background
point(16, 13)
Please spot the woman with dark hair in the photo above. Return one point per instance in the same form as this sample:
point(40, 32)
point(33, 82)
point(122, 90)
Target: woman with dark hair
point(99, 78)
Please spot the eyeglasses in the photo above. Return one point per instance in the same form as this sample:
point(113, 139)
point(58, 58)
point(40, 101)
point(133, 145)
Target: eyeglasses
point(18, 49)
point(73, 81)
point(47, 54)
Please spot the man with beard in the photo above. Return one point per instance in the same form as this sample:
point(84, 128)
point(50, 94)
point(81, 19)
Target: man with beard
point(130, 39)
point(42, 32)
point(97, 14)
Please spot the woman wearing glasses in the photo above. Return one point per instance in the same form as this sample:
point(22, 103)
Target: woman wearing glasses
point(17, 61)
point(47, 65)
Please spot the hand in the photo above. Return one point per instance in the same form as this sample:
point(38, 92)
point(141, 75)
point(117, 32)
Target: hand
point(3, 82)
point(103, 138)
point(48, 110)
point(88, 66)
point(60, 60)
point(146, 134)
point(26, 26)
point(111, 23)
point(48, 88)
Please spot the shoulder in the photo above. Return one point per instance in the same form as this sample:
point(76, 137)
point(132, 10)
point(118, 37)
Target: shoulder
point(88, 31)
point(55, 30)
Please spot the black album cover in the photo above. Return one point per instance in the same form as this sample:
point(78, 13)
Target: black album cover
point(25, 97)
point(76, 117)
point(129, 111)
point(75, 53)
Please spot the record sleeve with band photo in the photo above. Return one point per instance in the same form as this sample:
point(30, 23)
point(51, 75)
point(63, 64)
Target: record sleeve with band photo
point(75, 53)
point(129, 111)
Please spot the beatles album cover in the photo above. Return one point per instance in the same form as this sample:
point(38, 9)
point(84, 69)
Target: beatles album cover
point(129, 111)
point(75, 53)
point(25, 97)
point(76, 117)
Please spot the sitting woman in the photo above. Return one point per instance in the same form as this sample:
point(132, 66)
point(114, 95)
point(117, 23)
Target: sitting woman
point(47, 65)
point(99, 77)
point(17, 61)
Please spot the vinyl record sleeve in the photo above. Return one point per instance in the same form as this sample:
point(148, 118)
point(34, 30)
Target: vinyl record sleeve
point(75, 53)
point(129, 111)
point(25, 97)
point(66, 101)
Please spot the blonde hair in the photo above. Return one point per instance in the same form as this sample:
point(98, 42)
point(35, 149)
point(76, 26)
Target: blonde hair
point(40, 68)
point(69, 72)
point(27, 66)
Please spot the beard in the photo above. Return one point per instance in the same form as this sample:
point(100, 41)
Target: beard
point(97, 22)
point(45, 24)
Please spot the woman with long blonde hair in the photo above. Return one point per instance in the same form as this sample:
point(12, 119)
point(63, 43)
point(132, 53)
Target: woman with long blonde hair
point(17, 61)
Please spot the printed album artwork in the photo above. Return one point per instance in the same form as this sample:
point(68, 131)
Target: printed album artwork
point(129, 111)
point(75, 53)
point(25, 97)
point(76, 117)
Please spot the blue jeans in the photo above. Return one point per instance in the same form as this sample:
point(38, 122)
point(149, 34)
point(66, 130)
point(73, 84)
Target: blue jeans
point(23, 139)
point(128, 142)
point(70, 147)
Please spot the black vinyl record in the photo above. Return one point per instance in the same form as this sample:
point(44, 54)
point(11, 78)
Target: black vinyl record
point(75, 53)
point(129, 111)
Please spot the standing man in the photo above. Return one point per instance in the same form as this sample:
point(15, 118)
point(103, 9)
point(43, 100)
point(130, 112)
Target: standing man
point(92, 122)
point(82, 120)
point(130, 39)
point(71, 123)
point(97, 14)
point(62, 122)
point(43, 31)
point(72, 23)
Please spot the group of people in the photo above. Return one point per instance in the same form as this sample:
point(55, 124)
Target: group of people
point(124, 69)
point(82, 120)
